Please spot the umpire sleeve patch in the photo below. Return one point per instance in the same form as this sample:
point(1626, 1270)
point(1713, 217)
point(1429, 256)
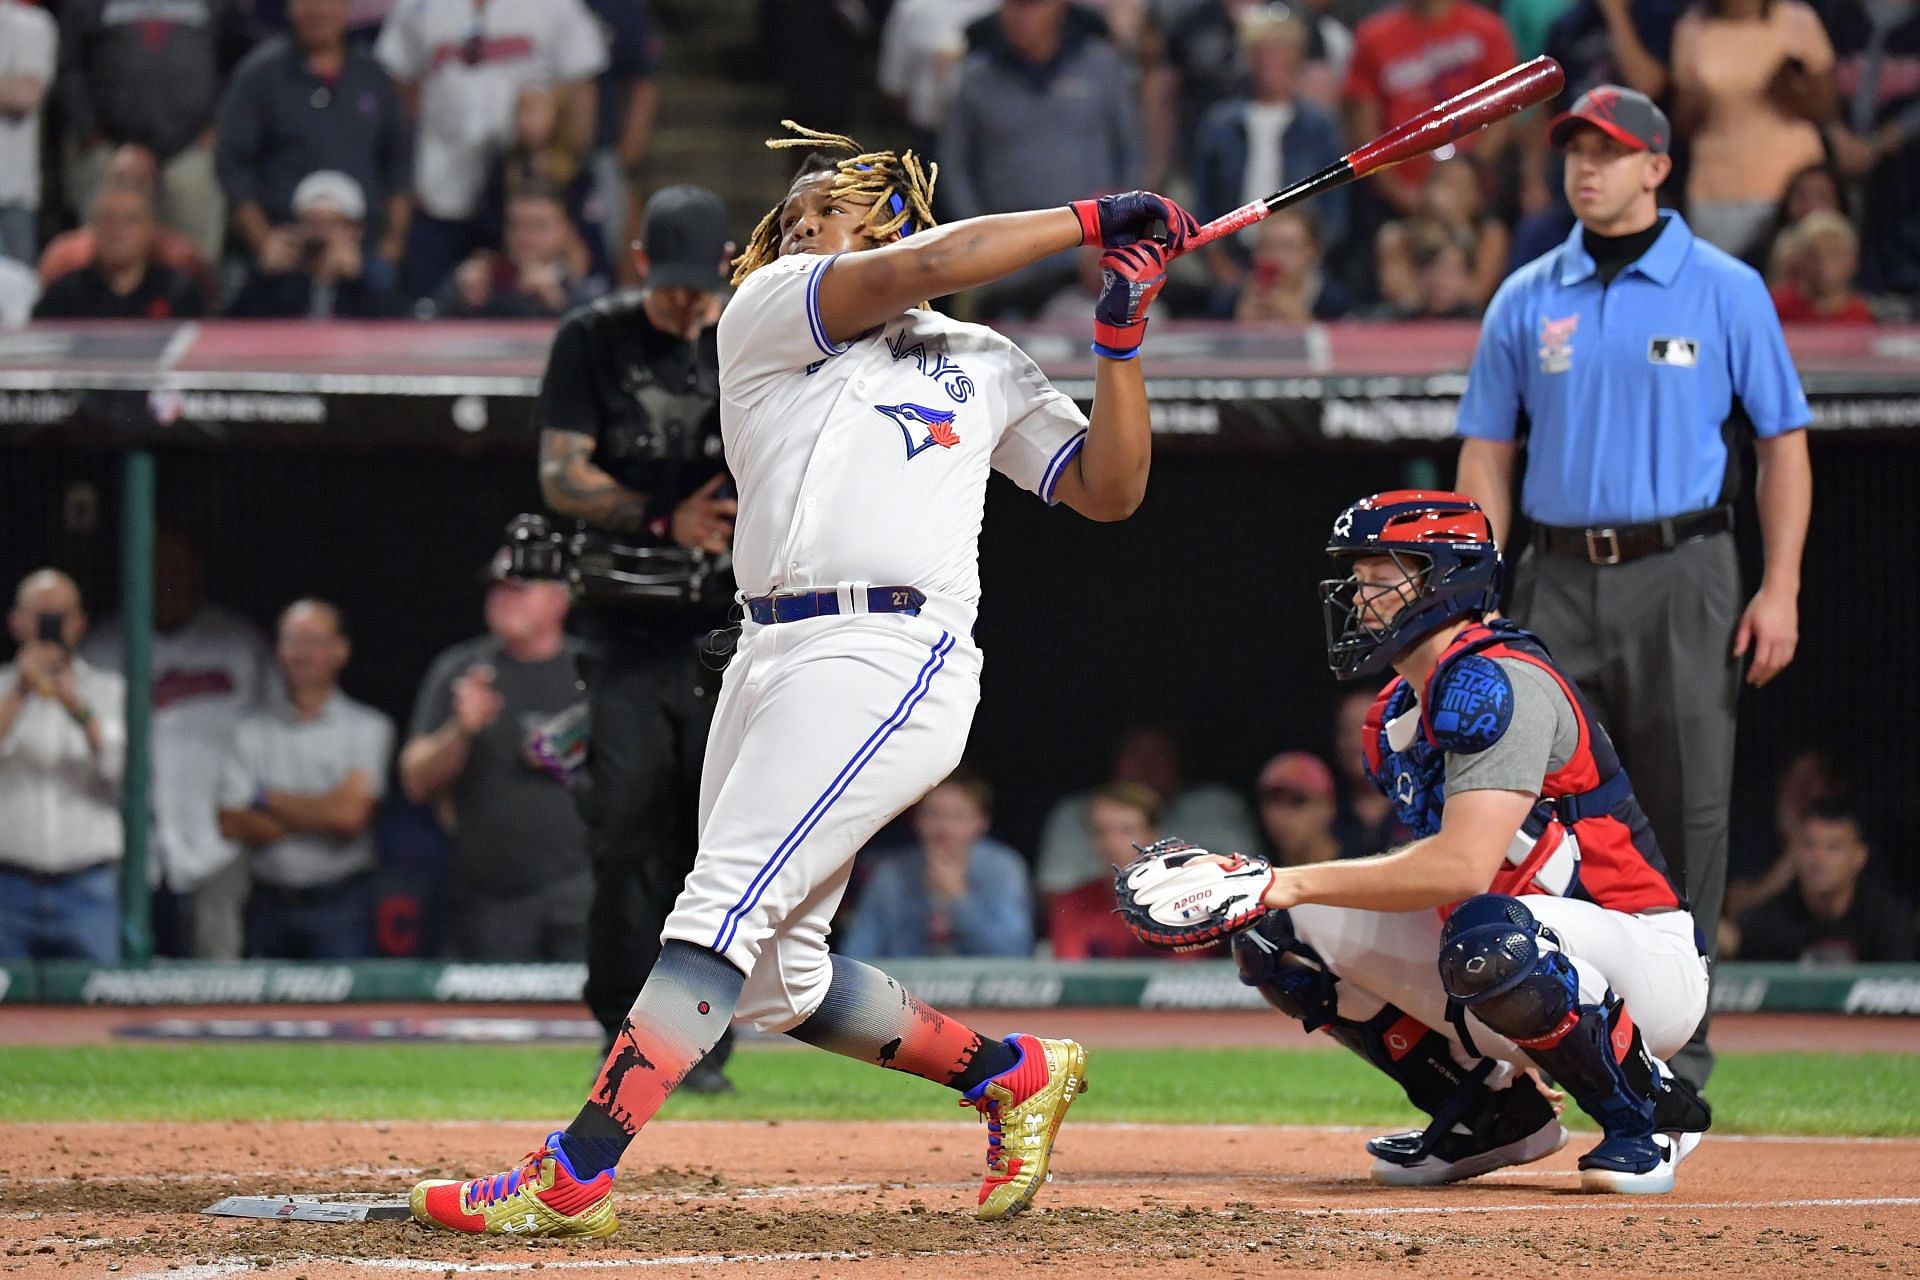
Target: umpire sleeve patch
point(1475, 706)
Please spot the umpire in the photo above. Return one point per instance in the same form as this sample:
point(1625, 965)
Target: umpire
point(629, 424)
point(1634, 353)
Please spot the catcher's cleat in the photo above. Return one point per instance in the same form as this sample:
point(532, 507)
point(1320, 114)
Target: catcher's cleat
point(540, 1197)
point(1519, 1127)
point(1023, 1107)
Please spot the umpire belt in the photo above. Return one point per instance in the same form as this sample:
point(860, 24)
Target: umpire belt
point(1617, 544)
point(797, 606)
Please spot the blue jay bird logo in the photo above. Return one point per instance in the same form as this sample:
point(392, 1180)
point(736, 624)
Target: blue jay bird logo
point(934, 426)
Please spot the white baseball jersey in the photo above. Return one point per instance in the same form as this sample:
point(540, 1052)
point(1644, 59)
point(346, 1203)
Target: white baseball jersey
point(863, 462)
point(471, 61)
point(206, 676)
point(867, 462)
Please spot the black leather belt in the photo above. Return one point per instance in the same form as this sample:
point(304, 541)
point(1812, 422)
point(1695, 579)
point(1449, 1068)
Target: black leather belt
point(1617, 544)
point(797, 606)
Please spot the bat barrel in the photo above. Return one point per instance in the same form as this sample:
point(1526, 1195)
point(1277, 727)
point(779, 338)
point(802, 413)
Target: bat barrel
point(1507, 94)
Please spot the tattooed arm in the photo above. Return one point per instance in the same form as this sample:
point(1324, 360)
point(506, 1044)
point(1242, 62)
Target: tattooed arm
point(573, 486)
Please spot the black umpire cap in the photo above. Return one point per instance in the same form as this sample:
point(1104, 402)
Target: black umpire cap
point(1625, 115)
point(684, 234)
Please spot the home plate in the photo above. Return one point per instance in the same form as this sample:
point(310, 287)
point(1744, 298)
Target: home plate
point(310, 1208)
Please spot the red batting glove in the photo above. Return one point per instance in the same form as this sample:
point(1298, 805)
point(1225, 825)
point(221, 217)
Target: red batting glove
point(1131, 277)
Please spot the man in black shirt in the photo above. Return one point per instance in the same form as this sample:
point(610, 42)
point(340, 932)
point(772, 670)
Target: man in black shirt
point(123, 282)
point(629, 418)
point(1827, 915)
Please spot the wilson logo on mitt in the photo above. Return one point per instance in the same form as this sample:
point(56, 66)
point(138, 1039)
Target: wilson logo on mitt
point(1181, 898)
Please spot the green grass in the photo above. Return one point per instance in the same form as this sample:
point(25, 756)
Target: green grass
point(1809, 1093)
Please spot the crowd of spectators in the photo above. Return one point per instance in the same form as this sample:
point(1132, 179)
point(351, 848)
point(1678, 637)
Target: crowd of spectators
point(269, 782)
point(319, 158)
point(479, 158)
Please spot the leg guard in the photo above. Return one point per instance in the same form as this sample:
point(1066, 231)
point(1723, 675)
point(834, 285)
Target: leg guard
point(1475, 1129)
point(1500, 962)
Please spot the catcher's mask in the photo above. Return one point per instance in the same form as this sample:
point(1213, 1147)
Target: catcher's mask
point(1450, 565)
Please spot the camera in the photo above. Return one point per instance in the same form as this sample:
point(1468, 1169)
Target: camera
point(603, 570)
point(51, 628)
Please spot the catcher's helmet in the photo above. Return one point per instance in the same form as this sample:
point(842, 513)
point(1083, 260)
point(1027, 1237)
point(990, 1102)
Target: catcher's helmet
point(1444, 545)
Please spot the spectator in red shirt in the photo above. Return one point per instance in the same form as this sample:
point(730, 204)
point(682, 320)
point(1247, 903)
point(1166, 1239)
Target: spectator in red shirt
point(1409, 56)
point(1814, 264)
point(1080, 921)
point(124, 282)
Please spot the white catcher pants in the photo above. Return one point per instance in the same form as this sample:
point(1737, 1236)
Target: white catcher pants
point(1649, 961)
point(824, 731)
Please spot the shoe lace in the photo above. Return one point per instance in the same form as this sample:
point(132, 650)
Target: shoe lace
point(485, 1191)
point(989, 1109)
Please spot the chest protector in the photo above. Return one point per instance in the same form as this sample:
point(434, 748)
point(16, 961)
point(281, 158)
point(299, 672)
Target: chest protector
point(1587, 837)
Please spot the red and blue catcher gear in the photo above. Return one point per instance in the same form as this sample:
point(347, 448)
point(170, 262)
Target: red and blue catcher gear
point(1130, 279)
point(1588, 838)
point(1499, 961)
point(1442, 541)
point(1413, 774)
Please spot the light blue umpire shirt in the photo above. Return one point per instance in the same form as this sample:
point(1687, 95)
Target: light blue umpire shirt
point(1626, 387)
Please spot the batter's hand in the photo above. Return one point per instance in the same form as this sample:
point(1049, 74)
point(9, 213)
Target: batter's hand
point(1113, 222)
point(704, 521)
point(1771, 629)
point(1130, 279)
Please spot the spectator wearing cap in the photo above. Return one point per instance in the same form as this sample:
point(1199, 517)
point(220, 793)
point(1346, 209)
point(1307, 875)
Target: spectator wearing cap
point(28, 41)
point(1752, 79)
point(521, 883)
point(1631, 350)
point(149, 74)
point(463, 64)
point(309, 102)
point(1248, 147)
point(542, 272)
point(124, 281)
point(328, 275)
point(1297, 809)
point(299, 788)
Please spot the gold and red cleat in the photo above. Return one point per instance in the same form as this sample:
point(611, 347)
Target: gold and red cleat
point(539, 1197)
point(1023, 1107)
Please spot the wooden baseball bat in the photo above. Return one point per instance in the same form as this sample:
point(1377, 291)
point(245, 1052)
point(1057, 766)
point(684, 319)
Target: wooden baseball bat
point(1507, 94)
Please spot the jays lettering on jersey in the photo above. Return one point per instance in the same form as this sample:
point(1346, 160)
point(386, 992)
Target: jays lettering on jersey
point(1627, 385)
point(867, 461)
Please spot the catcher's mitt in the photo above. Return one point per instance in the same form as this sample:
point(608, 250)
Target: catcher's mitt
point(1179, 898)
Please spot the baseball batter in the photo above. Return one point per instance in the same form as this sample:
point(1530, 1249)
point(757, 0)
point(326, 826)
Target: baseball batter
point(860, 428)
point(1533, 920)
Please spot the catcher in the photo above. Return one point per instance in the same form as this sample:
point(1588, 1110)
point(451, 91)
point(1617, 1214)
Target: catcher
point(1531, 922)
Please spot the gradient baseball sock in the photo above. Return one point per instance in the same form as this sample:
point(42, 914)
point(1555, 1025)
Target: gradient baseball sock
point(687, 1003)
point(867, 1015)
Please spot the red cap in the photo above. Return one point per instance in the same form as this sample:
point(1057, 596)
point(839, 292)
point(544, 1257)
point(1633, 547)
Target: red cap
point(1300, 772)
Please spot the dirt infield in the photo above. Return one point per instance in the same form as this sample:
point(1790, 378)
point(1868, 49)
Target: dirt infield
point(783, 1200)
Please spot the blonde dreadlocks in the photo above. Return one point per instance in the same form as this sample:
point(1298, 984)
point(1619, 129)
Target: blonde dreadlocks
point(900, 188)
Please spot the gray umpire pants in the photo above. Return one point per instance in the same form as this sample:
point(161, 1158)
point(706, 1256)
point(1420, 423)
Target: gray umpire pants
point(1650, 643)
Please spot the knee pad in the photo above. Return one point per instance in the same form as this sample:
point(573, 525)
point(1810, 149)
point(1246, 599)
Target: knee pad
point(1286, 971)
point(1498, 961)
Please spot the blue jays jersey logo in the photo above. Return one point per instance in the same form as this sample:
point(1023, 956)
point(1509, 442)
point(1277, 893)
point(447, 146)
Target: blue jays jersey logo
point(921, 427)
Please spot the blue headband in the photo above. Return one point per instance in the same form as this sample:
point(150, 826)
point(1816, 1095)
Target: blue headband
point(895, 203)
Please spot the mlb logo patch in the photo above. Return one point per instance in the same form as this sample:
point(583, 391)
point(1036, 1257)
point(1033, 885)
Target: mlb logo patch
point(1681, 353)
